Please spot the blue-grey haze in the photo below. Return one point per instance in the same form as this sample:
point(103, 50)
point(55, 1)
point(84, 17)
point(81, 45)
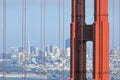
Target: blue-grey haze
point(14, 21)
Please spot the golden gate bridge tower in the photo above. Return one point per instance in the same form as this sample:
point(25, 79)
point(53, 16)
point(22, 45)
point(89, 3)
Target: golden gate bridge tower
point(98, 33)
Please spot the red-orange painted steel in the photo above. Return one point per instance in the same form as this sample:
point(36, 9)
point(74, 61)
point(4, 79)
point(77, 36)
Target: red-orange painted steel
point(98, 33)
point(101, 41)
point(72, 38)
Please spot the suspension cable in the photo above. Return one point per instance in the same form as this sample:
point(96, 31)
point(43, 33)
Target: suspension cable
point(59, 32)
point(113, 26)
point(45, 37)
point(4, 39)
point(119, 34)
point(41, 43)
point(119, 23)
point(112, 30)
point(63, 36)
point(23, 38)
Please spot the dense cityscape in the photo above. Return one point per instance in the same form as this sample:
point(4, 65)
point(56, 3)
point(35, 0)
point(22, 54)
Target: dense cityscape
point(52, 63)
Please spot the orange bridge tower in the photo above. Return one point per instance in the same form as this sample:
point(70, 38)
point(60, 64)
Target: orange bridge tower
point(98, 32)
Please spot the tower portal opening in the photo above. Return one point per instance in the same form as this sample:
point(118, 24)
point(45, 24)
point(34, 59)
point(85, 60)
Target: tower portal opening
point(89, 59)
point(89, 11)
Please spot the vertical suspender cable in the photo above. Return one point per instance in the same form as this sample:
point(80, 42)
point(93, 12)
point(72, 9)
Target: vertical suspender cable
point(113, 26)
point(41, 43)
point(4, 39)
point(45, 37)
point(23, 37)
point(59, 32)
point(22, 41)
point(119, 23)
point(63, 37)
point(112, 30)
point(119, 33)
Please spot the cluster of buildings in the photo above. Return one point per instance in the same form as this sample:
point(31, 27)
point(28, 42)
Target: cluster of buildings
point(48, 62)
point(30, 52)
point(53, 61)
point(115, 64)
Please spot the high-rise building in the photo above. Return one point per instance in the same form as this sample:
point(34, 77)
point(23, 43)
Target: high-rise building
point(68, 51)
point(67, 43)
point(36, 51)
point(20, 57)
point(28, 48)
point(13, 53)
point(47, 49)
point(32, 49)
point(57, 52)
point(52, 49)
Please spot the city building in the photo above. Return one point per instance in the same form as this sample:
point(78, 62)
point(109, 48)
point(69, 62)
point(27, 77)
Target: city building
point(13, 50)
point(115, 63)
point(47, 49)
point(52, 49)
point(32, 50)
point(28, 49)
point(36, 51)
point(68, 52)
point(20, 57)
point(13, 53)
point(57, 52)
point(67, 43)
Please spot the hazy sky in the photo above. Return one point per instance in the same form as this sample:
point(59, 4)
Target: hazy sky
point(14, 21)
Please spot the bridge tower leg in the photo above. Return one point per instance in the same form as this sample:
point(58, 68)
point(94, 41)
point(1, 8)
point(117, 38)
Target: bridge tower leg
point(98, 32)
point(101, 41)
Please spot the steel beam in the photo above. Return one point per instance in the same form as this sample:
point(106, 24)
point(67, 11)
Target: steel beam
point(98, 32)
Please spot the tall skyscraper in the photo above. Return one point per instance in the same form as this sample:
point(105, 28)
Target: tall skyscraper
point(13, 52)
point(28, 48)
point(57, 52)
point(36, 51)
point(32, 49)
point(52, 49)
point(67, 43)
point(68, 51)
point(47, 49)
point(20, 57)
